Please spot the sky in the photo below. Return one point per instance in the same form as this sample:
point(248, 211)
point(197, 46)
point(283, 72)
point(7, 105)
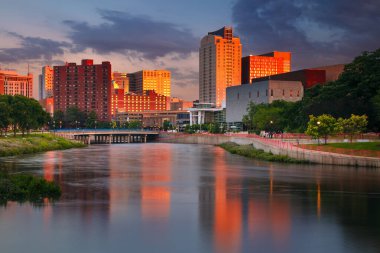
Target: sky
point(165, 34)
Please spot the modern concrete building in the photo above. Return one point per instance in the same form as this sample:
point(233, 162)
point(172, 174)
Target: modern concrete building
point(157, 80)
point(219, 65)
point(308, 77)
point(264, 92)
point(87, 86)
point(12, 83)
point(255, 66)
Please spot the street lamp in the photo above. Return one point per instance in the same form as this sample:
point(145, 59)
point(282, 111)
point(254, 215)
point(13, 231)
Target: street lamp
point(95, 124)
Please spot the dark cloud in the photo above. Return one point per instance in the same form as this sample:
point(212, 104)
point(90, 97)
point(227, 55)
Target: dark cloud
point(122, 32)
point(32, 48)
point(318, 32)
point(184, 78)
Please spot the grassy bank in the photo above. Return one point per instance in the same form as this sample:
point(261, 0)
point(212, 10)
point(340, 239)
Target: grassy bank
point(18, 145)
point(22, 187)
point(367, 149)
point(251, 152)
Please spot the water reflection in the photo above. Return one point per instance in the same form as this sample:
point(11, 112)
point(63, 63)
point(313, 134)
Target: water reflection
point(188, 198)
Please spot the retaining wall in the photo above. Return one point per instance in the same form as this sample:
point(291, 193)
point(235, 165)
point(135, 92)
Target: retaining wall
point(275, 147)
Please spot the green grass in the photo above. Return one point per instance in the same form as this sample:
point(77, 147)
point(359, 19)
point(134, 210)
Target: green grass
point(24, 187)
point(356, 145)
point(251, 152)
point(10, 146)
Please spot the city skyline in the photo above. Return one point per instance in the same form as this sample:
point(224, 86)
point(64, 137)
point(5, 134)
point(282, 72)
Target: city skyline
point(166, 35)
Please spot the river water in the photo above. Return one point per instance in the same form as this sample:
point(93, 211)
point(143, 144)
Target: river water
point(191, 198)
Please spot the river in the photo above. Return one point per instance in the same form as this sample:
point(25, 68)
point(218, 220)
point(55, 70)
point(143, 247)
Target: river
point(191, 198)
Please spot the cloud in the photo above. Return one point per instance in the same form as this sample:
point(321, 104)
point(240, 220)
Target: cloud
point(125, 33)
point(318, 32)
point(35, 48)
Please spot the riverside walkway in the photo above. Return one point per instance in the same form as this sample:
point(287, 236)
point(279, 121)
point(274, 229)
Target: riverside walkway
point(274, 146)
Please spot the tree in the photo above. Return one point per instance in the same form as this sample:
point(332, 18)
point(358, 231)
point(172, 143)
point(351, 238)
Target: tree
point(353, 125)
point(58, 119)
point(74, 117)
point(322, 126)
point(5, 118)
point(134, 124)
point(91, 120)
point(167, 125)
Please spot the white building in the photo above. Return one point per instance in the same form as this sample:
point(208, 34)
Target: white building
point(264, 92)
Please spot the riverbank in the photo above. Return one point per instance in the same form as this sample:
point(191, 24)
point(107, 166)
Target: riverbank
point(24, 187)
point(277, 147)
point(365, 149)
point(10, 146)
point(251, 152)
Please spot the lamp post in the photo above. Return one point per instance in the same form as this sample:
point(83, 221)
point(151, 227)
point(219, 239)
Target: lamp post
point(318, 123)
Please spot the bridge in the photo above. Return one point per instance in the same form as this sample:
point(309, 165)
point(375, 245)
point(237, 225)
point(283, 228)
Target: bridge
point(108, 136)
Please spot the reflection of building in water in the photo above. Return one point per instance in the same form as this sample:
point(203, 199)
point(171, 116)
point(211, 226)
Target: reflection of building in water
point(48, 166)
point(228, 209)
point(155, 180)
point(81, 184)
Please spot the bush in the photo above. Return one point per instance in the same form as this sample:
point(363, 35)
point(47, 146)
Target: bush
point(251, 152)
point(25, 187)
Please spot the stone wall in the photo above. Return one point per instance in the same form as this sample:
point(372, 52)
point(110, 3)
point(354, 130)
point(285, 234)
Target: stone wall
point(275, 147)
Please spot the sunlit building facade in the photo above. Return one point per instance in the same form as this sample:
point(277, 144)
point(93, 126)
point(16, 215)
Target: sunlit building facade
point(219, 65)
point(157, 80)
point(46, 82)
point(87, 86)
point(255, 66)
point(120, 81)
point(12, 83)
point(150, 101)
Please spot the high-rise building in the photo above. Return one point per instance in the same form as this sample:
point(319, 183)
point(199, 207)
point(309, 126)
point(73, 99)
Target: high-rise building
point(149, 101)
point(157, 80)
point(46, 83)
point(121, 81)
point(87, 86)
point(12, 83)
point(219, 65)
point(255, 66)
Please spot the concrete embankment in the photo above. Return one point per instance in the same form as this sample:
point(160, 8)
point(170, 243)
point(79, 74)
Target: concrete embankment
point(275, 147)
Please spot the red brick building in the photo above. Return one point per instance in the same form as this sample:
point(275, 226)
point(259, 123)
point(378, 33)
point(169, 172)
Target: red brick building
point(87, 86)
point(150, 101)
point(308, 77)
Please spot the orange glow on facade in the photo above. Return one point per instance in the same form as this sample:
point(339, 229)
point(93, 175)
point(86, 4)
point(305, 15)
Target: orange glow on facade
point(11, 83)
point(255, 66)
point(156, 80)
point(228, 210)
point(155, 193)
point(219, 65)
point(151, 101)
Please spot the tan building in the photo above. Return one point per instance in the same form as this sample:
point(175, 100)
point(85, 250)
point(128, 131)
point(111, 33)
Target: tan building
point(121, 81)
point(177, 104)
point(219, 65)
point(46, 82)
point(11, 83)
point(157, 80)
